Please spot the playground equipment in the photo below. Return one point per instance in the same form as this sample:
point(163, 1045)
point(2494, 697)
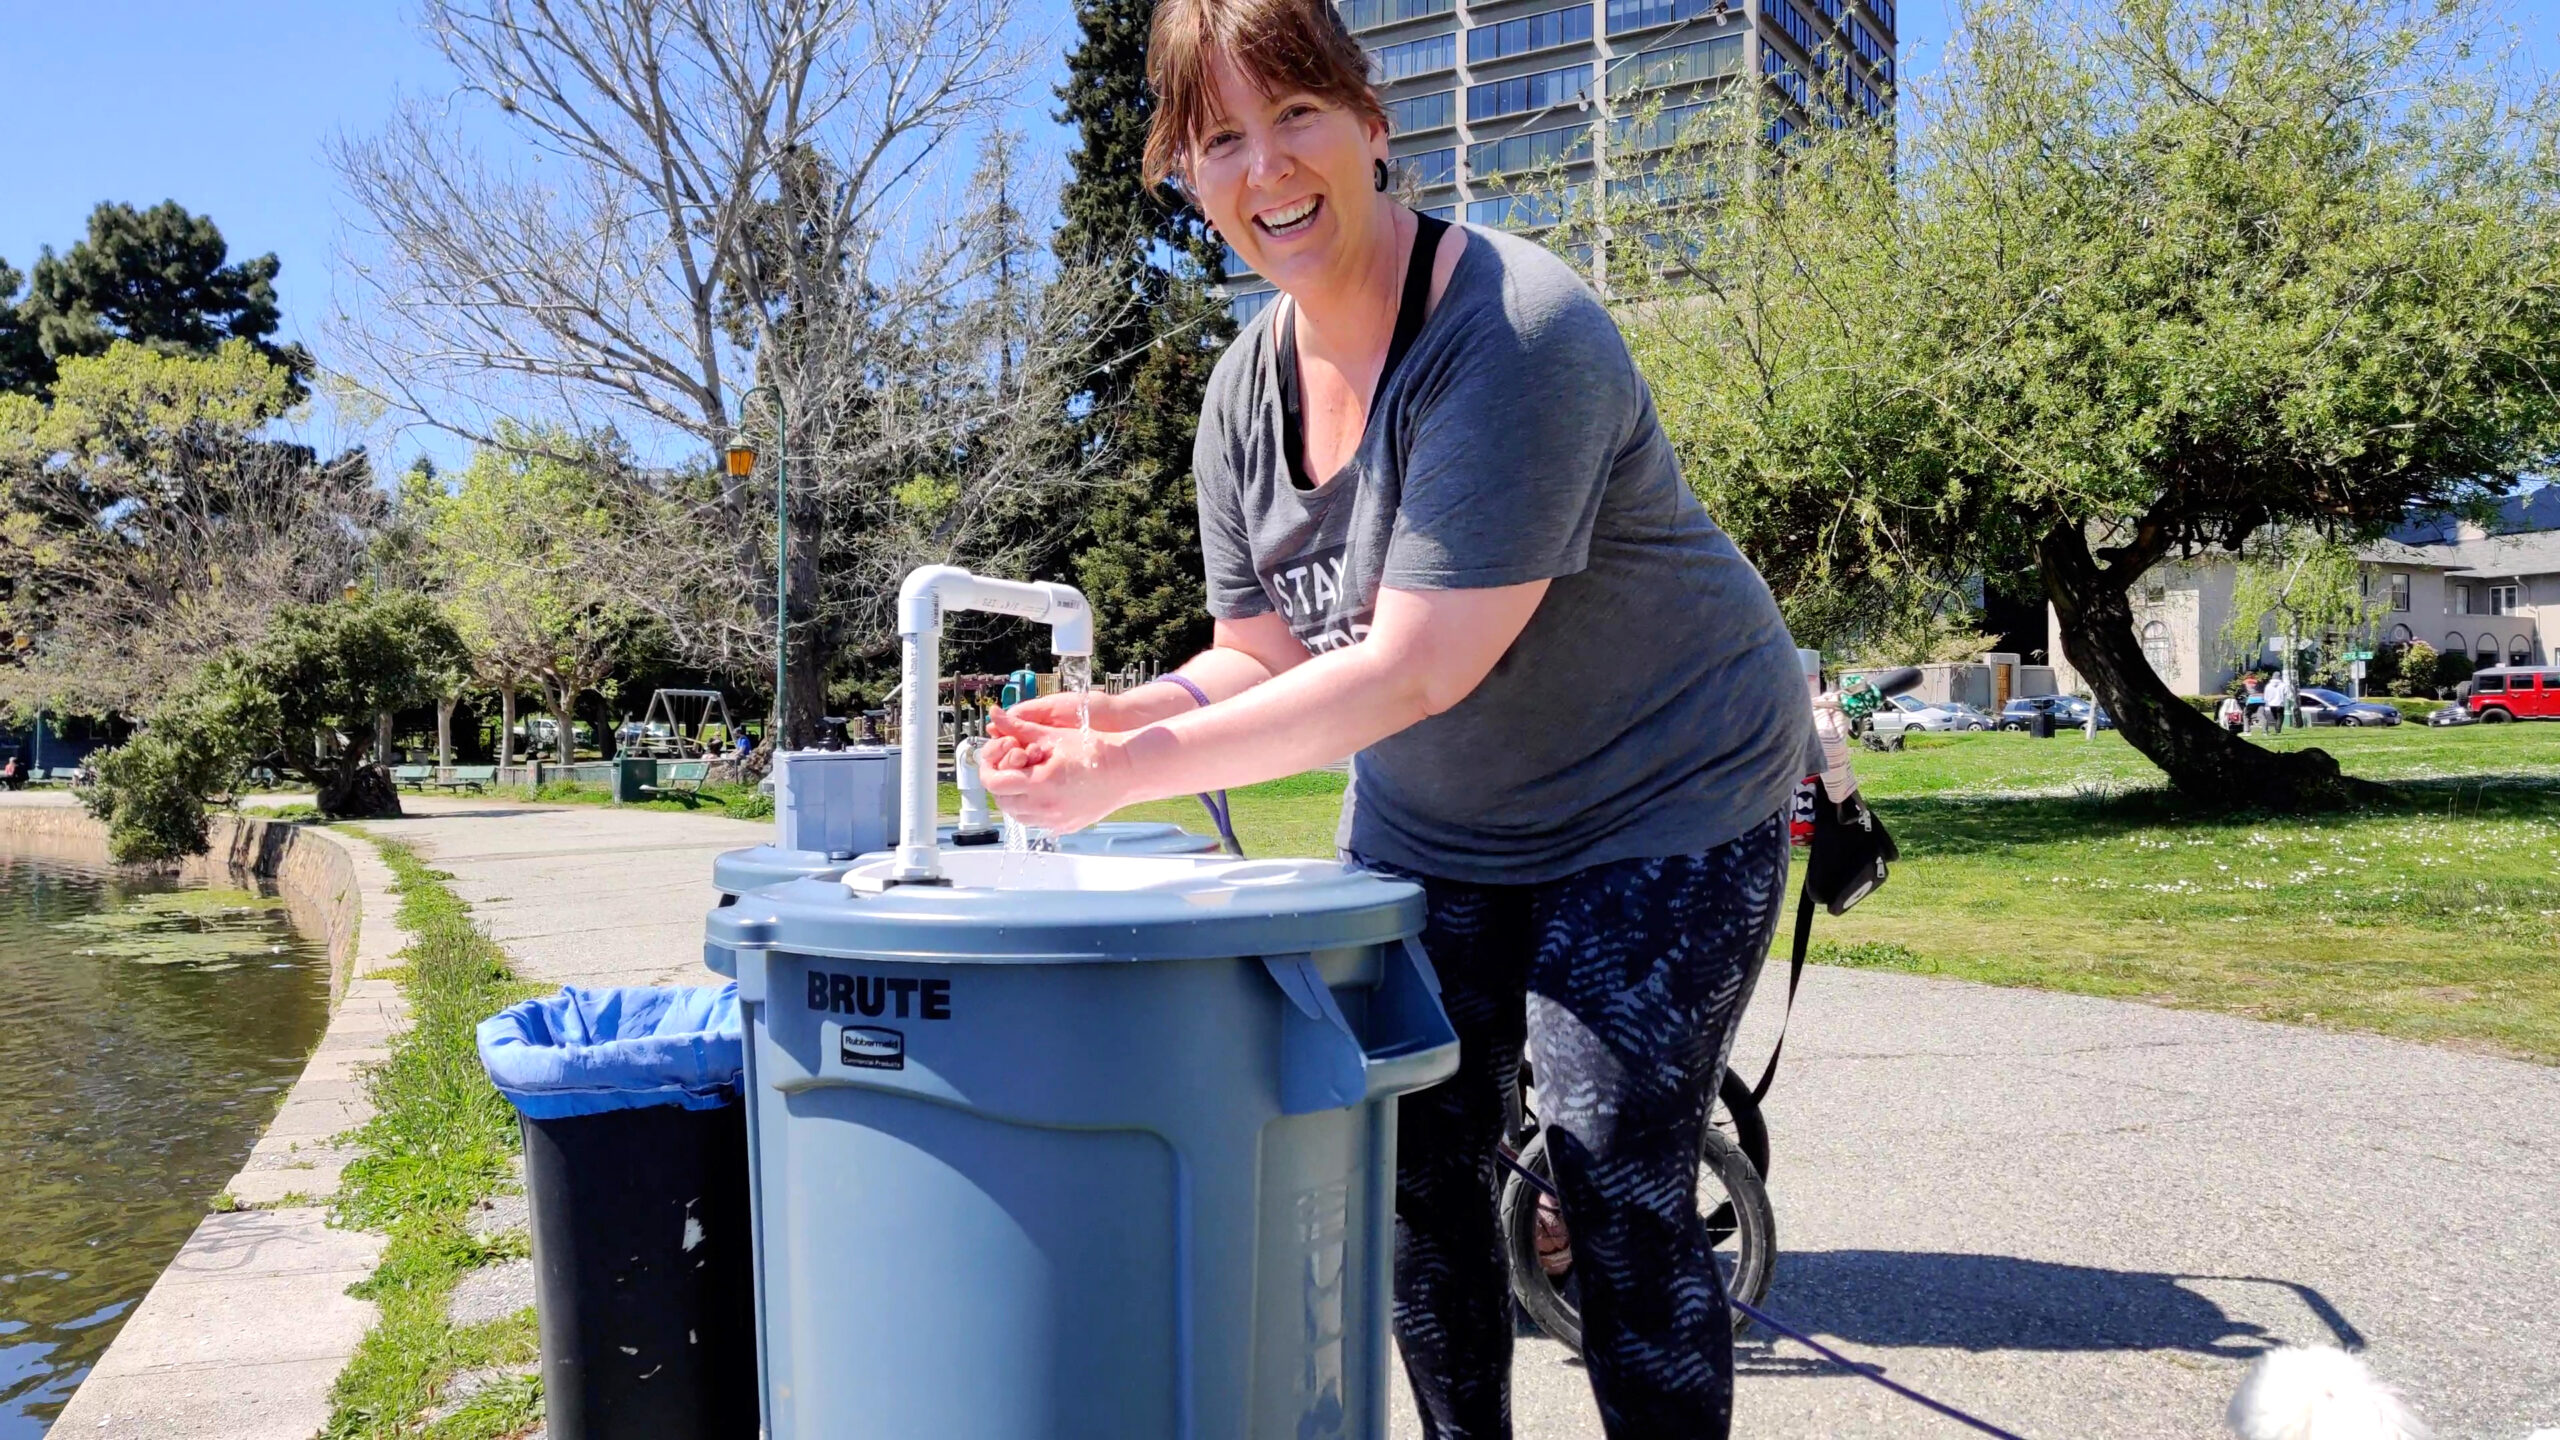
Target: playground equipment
point(663, 733)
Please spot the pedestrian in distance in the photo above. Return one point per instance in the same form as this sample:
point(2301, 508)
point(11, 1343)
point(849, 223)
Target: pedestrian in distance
point(2233, 715)
point(1576, 715)
point(2279, 699)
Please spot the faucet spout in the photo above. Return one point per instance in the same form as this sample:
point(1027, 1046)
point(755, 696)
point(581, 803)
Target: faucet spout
point(929, 593)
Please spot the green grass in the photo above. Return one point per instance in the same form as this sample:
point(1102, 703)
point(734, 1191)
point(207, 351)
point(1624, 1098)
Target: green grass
point(2066, 864)
point(2432, 915)
point(738, 802)
point(441, 1140)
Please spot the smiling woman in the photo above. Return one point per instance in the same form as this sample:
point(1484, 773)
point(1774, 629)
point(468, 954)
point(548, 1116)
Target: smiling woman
point(1443, 532)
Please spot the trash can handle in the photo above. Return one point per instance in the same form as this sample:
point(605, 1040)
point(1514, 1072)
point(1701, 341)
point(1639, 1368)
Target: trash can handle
point(1323, 1066)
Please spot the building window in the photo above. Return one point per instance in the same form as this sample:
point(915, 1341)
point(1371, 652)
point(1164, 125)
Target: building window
point(1874, 51)
point(1529, 32)
point(1543, 90)
point(2487, 650)
point(2520, 651)
point(2400, 594)
point(2502, 599)
point(1560, 146)
point(2454, 644)
point(1521, 212)
point(2402, 635)
point(1883, 10)
point(2155, 646)
point(1626, 15)
point(1426, 56)
point(2460, 603)
point(1370, 14)
point(1244, 307)
point(1673, 64)
point(1661, 131)
point(1789, 80)
point(1445, 214)
point(1791, 23)
point(1431, 167)
point(1436, 111)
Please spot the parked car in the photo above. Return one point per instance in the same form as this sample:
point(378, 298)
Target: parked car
point(1906, 712)
point(2330, 707)
point(2069, 712)
point(2509, 692)
point(2453, 715)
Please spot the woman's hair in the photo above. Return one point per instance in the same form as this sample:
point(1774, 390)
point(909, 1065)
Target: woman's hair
point(1280, 45)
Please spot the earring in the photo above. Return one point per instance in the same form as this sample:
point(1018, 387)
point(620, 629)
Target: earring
point(1382, 174)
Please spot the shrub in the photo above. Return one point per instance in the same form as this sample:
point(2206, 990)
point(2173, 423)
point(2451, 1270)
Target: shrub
point(2416, 671)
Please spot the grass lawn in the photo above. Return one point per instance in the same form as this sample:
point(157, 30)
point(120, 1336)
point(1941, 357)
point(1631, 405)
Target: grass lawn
point(2064, 864)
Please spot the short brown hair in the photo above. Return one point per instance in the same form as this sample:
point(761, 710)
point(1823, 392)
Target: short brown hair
point(1280, 45)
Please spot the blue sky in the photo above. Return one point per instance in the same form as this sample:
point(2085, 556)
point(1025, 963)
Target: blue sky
point(225, 109)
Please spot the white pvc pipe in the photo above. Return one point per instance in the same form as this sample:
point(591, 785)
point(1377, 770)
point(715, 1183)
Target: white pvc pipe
point(977, 817)
point(930, 592)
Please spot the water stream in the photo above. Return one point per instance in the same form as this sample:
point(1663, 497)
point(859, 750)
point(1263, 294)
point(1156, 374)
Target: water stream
point(148, 1030)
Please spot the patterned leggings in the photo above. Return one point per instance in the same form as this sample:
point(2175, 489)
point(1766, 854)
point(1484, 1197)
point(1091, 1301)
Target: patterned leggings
point(1633, 974)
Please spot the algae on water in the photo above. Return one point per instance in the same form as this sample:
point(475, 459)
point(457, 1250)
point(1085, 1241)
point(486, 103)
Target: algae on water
point(203, 929)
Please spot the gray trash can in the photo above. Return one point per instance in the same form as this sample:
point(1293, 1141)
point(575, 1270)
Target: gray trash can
point(1079, 1146)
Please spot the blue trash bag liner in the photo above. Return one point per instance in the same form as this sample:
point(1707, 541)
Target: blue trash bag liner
point(586, 1051)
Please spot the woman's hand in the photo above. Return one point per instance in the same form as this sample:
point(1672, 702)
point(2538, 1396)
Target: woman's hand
point(1057, 711)
point(1054, 777)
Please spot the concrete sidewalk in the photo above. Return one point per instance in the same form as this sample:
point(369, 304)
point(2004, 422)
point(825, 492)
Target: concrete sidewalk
point(2078, 1217)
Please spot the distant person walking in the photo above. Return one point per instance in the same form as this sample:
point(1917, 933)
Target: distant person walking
point(2233, 715)
point(2279, 698)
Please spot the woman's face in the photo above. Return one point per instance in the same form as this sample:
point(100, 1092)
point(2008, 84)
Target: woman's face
point(1288, 179)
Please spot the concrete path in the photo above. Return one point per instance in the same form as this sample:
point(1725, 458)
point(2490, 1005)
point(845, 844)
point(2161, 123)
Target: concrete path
point(2079, 1217)
point(245, 1332)
point(587, 895)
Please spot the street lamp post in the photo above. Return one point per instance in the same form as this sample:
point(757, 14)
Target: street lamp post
point(742, 463)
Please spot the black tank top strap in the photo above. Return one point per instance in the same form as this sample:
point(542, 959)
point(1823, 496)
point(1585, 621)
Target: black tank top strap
point(1412, 308)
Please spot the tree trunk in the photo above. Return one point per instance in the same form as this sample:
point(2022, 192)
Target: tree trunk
point(352, 787)
point(564, 716)
point(2201, 758)
point(444, 730)
point(382, 724)
point(507, 726)
point(808, 694)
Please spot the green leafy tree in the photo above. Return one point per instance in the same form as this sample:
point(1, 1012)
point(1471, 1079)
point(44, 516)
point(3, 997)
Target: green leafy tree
point(2142, 279)
point(160, 277)
point(23, 368)
point(2296, 585)
point(148, 520)
point(1138, 547)
point(303, 699)
point(2420, 669)
point(513, 549)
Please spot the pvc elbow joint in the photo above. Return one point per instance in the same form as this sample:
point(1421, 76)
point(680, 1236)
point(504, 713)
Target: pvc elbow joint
point(1070, 620)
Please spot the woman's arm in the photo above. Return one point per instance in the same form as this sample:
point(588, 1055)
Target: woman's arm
point(1241, 654)
point(1426, 650)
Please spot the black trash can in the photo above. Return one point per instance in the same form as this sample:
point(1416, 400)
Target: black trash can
point(635, 1148)
point(2040, 723)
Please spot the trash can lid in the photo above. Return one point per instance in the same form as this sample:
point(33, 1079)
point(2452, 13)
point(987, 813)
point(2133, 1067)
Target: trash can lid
point(1008, 907)
point(735, 872)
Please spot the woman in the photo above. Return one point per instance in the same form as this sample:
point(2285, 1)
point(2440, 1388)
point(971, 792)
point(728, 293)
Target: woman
point(1444, 532)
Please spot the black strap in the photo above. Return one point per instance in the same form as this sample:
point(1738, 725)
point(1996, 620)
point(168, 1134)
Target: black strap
point(1795, 977)
point(1412, 308)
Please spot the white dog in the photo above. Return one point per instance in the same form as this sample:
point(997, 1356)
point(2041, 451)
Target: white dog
point(2318, 1394)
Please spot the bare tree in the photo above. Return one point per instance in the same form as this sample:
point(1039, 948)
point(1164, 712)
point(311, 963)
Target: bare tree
point(715, 196)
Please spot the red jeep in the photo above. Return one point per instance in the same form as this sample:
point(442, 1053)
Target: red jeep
point(2513, 693)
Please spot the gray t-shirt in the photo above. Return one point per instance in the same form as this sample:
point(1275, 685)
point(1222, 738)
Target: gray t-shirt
point(1653, 706)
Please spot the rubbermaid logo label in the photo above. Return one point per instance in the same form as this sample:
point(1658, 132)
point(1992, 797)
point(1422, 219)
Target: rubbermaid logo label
point(867, 1047)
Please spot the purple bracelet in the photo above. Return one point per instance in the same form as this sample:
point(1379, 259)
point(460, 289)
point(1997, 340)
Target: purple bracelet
point(1185, 682)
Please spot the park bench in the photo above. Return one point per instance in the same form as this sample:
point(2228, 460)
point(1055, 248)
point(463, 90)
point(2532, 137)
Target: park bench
point(474, 778)
point(413, 777)
point(679, 777)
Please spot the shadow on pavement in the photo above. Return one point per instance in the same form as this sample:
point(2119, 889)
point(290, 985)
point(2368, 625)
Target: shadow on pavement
point(1891, 1298)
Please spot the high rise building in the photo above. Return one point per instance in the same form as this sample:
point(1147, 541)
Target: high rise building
point(1480, 92)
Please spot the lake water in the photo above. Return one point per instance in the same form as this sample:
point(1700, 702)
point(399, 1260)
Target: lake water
point(148, 1030)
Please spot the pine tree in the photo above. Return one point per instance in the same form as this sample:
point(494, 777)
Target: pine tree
point(1138, 548)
